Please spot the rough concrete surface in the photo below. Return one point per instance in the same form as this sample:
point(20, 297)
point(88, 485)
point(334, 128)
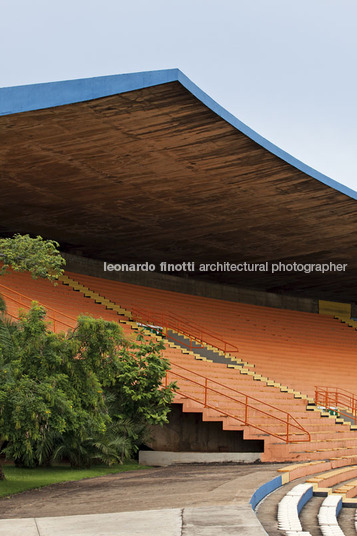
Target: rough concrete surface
point(177, 486)
point(155, 522)
point(202, 521)
point(221, 521)
point(178, 500)
point(18, 527)
point(161, 458)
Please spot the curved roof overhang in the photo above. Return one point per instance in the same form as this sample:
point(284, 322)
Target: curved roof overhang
point(146, 166)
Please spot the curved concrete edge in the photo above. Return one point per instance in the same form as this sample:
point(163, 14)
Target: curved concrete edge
point(264, 490)
point(32, 97)
point(209, 520)
point(160, 458)
point(39, 96)
point(269, 146)
point(268, 487)
point(306, 496)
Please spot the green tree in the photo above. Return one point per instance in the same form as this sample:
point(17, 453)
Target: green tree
point(130, 373)
point(46, 390)
point(84, 394)
point(87, 394)
point(38, 256)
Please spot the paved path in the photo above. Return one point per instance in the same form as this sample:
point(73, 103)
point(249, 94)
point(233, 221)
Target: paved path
point(202, 521)
point(190, 500)
point(167, 487)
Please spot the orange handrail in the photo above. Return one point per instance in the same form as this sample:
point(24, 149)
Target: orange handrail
point(336, 397)
point(246, 404)
point(19, 302)
point(289, 421)
point(338, 389)
point(31, 300)
point(180, 324)
point(9, 314)
point(194, 333)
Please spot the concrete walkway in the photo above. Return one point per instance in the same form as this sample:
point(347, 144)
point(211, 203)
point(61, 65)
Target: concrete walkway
point(195, 500)
point(203, 521)
point(150, 489)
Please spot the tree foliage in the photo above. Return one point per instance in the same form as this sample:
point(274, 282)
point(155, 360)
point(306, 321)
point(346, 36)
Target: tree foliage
point(36, 255)
point(86, 395)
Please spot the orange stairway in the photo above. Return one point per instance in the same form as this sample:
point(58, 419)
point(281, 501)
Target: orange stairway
point(225, 386)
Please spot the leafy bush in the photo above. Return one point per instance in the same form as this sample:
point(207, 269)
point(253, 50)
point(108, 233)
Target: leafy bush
point(86, 395)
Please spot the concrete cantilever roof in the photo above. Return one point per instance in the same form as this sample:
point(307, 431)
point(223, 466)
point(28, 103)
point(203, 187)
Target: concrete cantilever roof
point(151, 162)
point(38, 96)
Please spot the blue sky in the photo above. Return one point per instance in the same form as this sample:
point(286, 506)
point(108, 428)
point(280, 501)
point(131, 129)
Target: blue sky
point(285, 68)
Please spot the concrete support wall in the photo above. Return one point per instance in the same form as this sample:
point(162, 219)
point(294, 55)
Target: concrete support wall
point(186, 432)
point(192, 286)
point(354, 310)
point(334, 308)
point(160, 458)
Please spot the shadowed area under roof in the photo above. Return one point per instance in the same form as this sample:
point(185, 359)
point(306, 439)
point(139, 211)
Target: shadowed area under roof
point(155, 175)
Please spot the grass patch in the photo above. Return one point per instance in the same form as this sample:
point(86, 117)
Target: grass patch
point(18, 480)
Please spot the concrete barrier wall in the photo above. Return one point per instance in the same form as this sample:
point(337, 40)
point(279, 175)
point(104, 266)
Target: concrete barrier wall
point(187, 432)
point(76, 263)
point(163, 458)
point(264, 490)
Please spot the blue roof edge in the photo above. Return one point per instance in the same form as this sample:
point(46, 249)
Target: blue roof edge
point(47, 95)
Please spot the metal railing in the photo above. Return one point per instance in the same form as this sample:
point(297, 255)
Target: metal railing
point(209, 393)
point(337, 399)
point(197, 336)
point(57, 318)
point(243, 408)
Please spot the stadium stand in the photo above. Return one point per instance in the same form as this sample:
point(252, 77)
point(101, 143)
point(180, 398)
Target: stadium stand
point(252, 399)
point(290, 507)
point(147, 166)
point(324, 503)
point(274, 340)
point(341, 311)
